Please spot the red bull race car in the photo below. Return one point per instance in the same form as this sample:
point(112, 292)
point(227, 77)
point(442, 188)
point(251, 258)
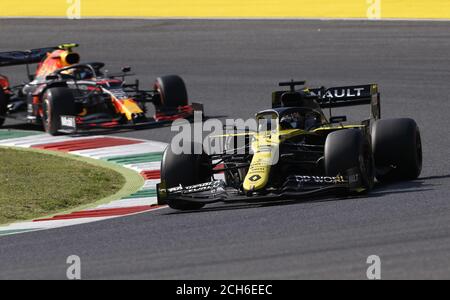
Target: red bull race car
point(67, 96)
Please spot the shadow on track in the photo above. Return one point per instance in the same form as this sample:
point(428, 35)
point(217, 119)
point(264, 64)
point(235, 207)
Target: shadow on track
point(86, 133)
point(102, 131)
point(417, 186)
point(24, 126)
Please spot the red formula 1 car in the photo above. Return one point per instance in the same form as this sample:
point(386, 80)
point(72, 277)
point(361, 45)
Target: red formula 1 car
point(66, 96)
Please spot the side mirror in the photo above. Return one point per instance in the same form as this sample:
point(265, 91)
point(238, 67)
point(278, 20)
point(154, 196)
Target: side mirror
point(338, 119)
point(126, 69)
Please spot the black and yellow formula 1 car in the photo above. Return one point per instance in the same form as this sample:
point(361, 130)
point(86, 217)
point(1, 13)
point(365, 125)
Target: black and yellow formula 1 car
point(66, 96)
point(298, 153)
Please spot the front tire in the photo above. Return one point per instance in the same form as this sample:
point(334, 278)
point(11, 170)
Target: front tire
point(349, 150)
point(187, 170)
point(397, 147)
point(57, 102)
point(172, 91)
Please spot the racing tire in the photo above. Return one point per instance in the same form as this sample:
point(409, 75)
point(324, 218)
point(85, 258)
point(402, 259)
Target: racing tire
point(57, 102)
point(397, 148)
point(172, 91)
point(187, 170)
point(349, 150)
point(3, 107)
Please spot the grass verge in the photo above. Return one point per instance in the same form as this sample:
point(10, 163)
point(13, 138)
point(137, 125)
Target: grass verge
point(34, 184)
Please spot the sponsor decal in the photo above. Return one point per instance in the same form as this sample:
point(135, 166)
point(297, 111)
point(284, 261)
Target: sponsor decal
point(258, 169)
point(255, 178)
point(338, 93)
point(69, 122)
point(213, 186)
point(321, 179)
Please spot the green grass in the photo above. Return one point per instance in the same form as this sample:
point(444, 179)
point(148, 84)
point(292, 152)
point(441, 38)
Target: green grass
point(34, 184)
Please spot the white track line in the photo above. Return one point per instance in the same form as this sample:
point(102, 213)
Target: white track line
point(152, 166)
point(46, 139)
point(103, 153)
point(151, 184)
point(50, 224)
point(39, 140)
point(129, 203)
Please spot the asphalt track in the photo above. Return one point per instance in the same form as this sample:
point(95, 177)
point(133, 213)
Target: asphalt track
point(232, 66)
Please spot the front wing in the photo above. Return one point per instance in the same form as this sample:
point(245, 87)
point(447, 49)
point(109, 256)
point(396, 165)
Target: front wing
point(76, 124)
point(217, 191)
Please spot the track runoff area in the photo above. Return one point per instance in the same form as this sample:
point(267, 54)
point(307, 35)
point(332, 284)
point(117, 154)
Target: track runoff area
point(206, 9)
point(139, 156)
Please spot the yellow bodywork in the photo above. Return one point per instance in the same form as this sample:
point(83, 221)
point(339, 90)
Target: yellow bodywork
point(128, 107)
point(265, 147)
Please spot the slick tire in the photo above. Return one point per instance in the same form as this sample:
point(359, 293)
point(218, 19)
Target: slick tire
point(397, 148)
point(57, 102)
point(172, 91)
point(349, 149)
point(187, 170)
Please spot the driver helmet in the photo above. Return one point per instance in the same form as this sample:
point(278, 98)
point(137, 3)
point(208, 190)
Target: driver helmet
point(83, 74)
point(80, 73)
point(298, 120)
point(293, 121)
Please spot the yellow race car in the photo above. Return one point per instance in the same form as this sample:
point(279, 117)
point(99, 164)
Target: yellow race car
point(297, 153)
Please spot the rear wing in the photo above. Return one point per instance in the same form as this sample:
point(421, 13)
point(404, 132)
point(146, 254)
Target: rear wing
point(350, 96)
point(330, 98)
point(16, 58)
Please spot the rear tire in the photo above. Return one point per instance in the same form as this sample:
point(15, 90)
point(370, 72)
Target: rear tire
point(187, 170)
point(172, 91)
point(397, 148)
point(349, 149)
point(3, 106)
point(57, 102)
